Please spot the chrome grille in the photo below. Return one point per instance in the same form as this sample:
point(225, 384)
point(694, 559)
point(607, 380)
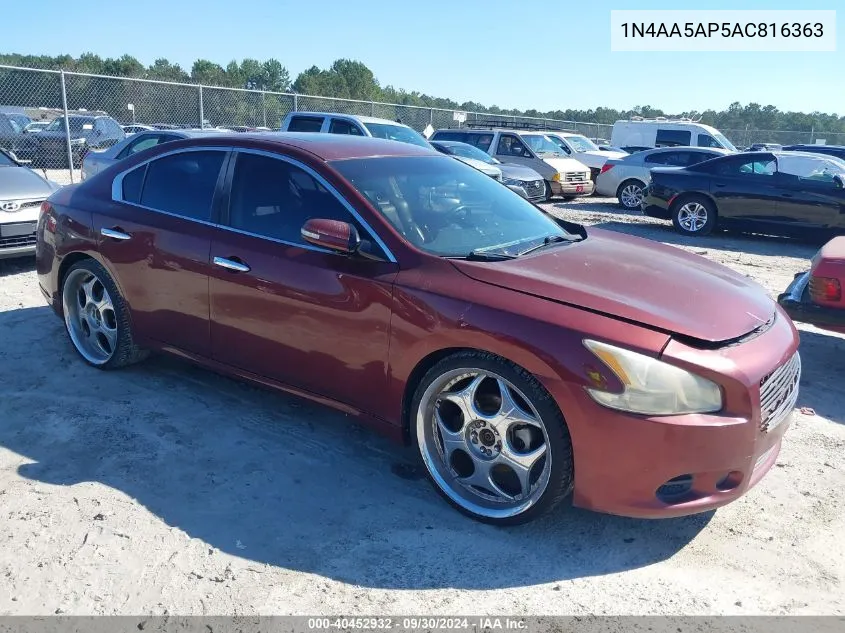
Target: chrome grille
point(15, 242)
point(577, 176)
point(778, 393)
point(534, 188)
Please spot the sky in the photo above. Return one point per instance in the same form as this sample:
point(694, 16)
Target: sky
point(541, 55)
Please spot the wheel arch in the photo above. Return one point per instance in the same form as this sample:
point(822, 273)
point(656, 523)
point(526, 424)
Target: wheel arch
point(626, 181)
point(67, 262)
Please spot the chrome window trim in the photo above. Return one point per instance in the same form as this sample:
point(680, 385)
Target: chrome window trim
point(117, 196)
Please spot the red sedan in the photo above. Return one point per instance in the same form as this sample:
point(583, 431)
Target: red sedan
point(526, 358)
point(816, 296)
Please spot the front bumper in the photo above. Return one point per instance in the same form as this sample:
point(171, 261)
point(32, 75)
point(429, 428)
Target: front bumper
point(624, 462)
point(796, 302)
point(582, 188)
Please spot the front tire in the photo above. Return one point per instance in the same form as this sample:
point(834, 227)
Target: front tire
point(694, 215)
point(491, 439)
point(97, 318)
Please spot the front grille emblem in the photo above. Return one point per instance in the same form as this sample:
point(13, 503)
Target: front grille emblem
point(10, 206)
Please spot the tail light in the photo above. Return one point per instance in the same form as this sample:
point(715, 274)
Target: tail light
point(605, 168)
point(825, 289)
point(46, 214)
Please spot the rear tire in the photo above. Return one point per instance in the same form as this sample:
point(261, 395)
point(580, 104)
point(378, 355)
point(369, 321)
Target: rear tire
point(630, 194)
point(97, 318)
point(492, 441)
point(694, 215)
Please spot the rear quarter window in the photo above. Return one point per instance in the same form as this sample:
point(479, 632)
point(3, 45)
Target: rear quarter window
point(132, 184)
point(673, 138)
point(305, 124)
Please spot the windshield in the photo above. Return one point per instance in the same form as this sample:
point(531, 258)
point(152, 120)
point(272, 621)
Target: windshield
point(581, 143)
point(470, 151)
point(724, 141)
point(542, 145)
point(397, 133)
point(447, 208)
point(76, 124)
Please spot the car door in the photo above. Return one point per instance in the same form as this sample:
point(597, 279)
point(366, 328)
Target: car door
point(511, 149)
point(156, 238)
point(289, 311)
point(746, 189)
point(808, 193)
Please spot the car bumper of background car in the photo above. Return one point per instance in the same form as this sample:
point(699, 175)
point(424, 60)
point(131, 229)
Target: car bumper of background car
point(668, 466)
point(583, 188)
point(797, 304)
point(655, 208)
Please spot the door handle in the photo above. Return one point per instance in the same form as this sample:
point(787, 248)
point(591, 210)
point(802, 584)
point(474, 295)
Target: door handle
point(786, 195)
point(231, 264)
point(115, 234)
point(721, 184)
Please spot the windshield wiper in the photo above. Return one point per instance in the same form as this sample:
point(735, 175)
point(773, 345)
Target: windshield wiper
point(548, 241)
point(483, 256)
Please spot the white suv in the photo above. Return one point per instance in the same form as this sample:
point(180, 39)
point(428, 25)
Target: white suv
point(335, 123)
point(584, 150)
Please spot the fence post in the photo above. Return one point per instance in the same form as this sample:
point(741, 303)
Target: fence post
point(264, 108)
point(431, 116)
point(296, 102)
point(67, 127)
point(202, 112)
point(372, 108)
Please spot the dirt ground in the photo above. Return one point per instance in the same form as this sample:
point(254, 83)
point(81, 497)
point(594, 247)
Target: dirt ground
point(168, 489)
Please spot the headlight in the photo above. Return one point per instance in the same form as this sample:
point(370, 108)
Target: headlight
point(557, 177)
point(652, 387)
point(512, 181)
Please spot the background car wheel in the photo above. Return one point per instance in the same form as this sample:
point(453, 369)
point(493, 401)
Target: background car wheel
point(549, 193)
point(694, 215)
point(96, 317)
point(630, 194)
point(492, 440)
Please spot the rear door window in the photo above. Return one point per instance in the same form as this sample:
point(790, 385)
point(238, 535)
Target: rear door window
point(705, 140)
point(305, 124)
point(672, 138)
point(183, 184)
point(448, 135)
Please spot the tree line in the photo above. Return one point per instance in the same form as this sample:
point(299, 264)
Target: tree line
point(345, 78)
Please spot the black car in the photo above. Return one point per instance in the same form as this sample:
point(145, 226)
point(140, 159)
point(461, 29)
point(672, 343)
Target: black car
point(779, 193)
point(48, 148)
point(829, 150)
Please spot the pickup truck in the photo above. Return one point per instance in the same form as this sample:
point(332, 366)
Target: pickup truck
point(815, 296)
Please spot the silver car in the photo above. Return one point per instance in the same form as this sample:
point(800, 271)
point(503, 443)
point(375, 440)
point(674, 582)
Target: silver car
point(522, 179)
point(624, 178)
point(95, 162)
point(22, 191)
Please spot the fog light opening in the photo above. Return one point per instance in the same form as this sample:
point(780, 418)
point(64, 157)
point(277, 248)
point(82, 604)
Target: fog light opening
point(729, 481)
point(675, 488)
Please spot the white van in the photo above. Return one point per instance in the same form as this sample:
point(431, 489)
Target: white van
point(583, 150)
point(638, 134)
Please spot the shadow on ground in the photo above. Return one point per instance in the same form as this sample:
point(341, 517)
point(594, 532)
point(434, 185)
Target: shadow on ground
point(17, 265)
point(823, 365)
point(277, 480)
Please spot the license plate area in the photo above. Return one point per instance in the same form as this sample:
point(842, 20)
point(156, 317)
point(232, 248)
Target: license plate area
point(17, 229)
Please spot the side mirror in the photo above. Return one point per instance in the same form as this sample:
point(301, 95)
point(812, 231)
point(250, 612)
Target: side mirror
point(337, 236)
point(839, 181)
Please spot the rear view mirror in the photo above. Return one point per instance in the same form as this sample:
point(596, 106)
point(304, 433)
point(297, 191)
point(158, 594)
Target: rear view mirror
point(337, 236)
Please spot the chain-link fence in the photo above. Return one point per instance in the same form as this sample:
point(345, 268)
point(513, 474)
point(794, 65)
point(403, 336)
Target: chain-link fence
point(53, 118)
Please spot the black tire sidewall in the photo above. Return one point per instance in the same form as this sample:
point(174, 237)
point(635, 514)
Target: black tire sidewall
point(125, 345)
point(708, 227)
point(562, 473)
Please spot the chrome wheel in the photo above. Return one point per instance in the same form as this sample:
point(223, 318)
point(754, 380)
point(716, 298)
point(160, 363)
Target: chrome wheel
point(483, 443)
point(631, 196)
point(692, 216)
point(89, 316)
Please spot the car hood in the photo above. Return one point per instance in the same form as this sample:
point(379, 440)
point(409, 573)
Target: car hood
point(604, 154)
point(21, 183)
point(480, 165)
point(564, 165)
point(518, 172)
point(637, 280)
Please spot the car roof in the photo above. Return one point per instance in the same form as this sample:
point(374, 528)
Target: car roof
point(815, 147)
point(324, 146)
point(356, 117)
point(658, 150)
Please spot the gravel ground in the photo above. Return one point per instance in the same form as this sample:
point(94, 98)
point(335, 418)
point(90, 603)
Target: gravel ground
point(168, 489)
